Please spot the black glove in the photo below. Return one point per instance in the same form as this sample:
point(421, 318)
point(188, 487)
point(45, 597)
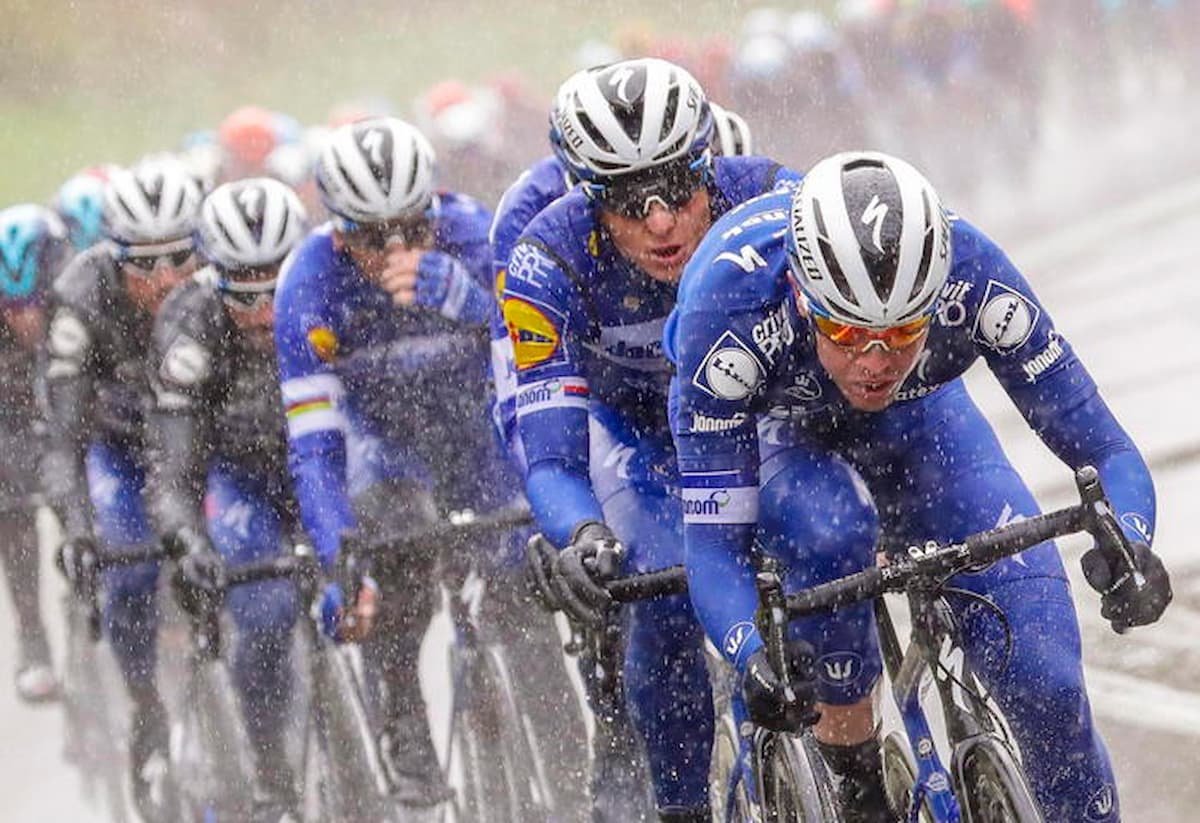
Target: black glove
point(766, 695)
point(199, 572)
point(539, 571)
point(593, 554)
point(1122, 603)
point(77, 560)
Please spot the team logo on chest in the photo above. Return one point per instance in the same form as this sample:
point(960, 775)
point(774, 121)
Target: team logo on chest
point(730, 370)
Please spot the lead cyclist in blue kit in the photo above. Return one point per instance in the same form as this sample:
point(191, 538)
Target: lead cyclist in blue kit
point(819, 342)
point(587, 290)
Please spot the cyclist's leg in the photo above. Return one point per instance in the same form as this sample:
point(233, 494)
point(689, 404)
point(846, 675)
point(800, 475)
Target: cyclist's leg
point(115, 485)
point(961, 482)
point(390, 493)
point(245, 523)
point(831, 534)
point(666, 679)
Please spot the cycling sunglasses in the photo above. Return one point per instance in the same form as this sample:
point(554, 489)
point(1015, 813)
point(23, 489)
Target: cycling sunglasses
point(143, 260)
point(860, 338)
point(239, 291)
point(410, 231)
point(672, 186)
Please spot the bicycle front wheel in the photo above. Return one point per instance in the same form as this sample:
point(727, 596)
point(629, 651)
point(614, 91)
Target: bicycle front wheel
point(796, 786)
point(899, 778)
point(990, 784)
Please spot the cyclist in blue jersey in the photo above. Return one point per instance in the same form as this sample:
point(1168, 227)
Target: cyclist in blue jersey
point(33, 248)
point(587, 290)
point(218, 481)
point(94, 387)
point(381, 334)
point(819, 343)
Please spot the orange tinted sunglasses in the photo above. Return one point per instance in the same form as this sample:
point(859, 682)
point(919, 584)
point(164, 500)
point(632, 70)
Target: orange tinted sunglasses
point(860, 338)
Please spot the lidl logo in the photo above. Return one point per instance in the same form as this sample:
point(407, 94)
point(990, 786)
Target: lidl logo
point(534, 337)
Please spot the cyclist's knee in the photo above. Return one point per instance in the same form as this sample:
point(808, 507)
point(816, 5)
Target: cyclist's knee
point(264, 608)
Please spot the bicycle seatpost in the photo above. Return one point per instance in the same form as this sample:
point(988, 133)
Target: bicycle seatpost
point(772, 618)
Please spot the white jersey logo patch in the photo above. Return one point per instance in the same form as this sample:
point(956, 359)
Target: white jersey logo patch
point(1006, 320)
point(729, 371)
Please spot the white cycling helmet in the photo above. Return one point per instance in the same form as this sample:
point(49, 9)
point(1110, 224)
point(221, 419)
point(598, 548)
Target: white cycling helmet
point(249, 223)
point(731, 133)
point(154, 202)
point(375, 170)
point(629, 116)
point(869, 240)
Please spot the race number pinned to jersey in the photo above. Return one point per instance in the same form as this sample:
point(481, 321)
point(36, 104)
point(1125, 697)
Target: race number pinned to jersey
point(729, 371)
point(535, 339)
point(324, 343)
point(1007, 318)
point(186, 362)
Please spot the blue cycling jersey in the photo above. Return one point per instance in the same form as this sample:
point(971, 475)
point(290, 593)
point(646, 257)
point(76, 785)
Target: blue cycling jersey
point(746, 369)
point(587, 323)
point(347, 353)
point(537, 187)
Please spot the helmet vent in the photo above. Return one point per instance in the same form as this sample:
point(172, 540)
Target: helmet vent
point(830, 257)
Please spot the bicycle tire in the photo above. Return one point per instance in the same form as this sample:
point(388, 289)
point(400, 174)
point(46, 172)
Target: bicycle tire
point(729, 802)
point(796, 786)
point(991, 785)
point(900, 776)
point(486, 795)
point(92, 740)
point(531, 793)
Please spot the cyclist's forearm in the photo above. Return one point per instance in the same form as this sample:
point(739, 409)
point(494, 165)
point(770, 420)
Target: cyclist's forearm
point(561, 496)
point(176, 487)
point(318, 465)
point(721, 584)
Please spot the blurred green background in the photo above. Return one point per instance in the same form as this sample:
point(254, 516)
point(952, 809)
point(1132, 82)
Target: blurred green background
point(89, 81)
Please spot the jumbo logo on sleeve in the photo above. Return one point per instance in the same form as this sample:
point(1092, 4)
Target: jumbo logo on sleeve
point(535, 339)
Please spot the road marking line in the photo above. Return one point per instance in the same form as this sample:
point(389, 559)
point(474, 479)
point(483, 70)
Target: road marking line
point(1138, 702)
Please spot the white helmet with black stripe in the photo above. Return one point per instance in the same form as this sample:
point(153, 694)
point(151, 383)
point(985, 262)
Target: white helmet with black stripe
point(869, 240)
point(153, 202)
point(375, 170)
point(629, 116)
point(731, 133)
point(250, 223)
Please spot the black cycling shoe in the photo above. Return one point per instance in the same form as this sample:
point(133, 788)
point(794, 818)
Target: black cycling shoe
point(412, 766)
point(859, 772)
point(150, 764)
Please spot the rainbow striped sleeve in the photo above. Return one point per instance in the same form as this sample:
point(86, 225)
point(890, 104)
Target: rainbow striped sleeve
point(312, 404)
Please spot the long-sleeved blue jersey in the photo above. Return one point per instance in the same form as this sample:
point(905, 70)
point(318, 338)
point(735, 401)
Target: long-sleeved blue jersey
point(537, 187)
point(587, 323)
point(348, 355)
point(747, 369)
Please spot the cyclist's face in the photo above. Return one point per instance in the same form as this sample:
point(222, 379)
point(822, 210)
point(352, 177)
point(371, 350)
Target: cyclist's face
point(868, 379)
point(662, 242)
point(147, 290)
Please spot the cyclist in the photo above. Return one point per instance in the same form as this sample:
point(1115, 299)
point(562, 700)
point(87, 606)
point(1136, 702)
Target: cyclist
point(218, 439)
point(246, 138)
point(94, 377)
point(33, 248)
point(587, 290)
point(381, 337)
point(819, 343)
point(79, 203)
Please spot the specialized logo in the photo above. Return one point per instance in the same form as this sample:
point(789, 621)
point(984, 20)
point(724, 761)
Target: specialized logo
point(535, 339)
point(839, 668)
point(747, 259)
point(1044, 359)
point(1102, 804)
point(620, 80)
point(1139, 524)
point(773, 334)
point(1006, 319)
point(952, 303)
point(729, 371)
point(874, 213)
point(756, 219)
point(735, 638)
point(186, 362)
point(324, 343)
point(702, 423)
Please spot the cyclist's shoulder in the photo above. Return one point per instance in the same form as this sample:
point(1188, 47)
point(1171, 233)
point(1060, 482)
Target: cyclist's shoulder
point(461, 217)
point(742, 178)
point(310, 269)
point(84, 279)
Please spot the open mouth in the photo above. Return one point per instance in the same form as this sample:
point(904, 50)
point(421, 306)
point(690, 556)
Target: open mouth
point(667, 254)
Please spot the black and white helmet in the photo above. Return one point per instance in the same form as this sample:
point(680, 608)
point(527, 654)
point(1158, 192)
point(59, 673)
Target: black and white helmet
point(629, 116)
point(155, 201)
point(869, 240)
point(731, 133)
point(376, 170)
point(250, 223)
